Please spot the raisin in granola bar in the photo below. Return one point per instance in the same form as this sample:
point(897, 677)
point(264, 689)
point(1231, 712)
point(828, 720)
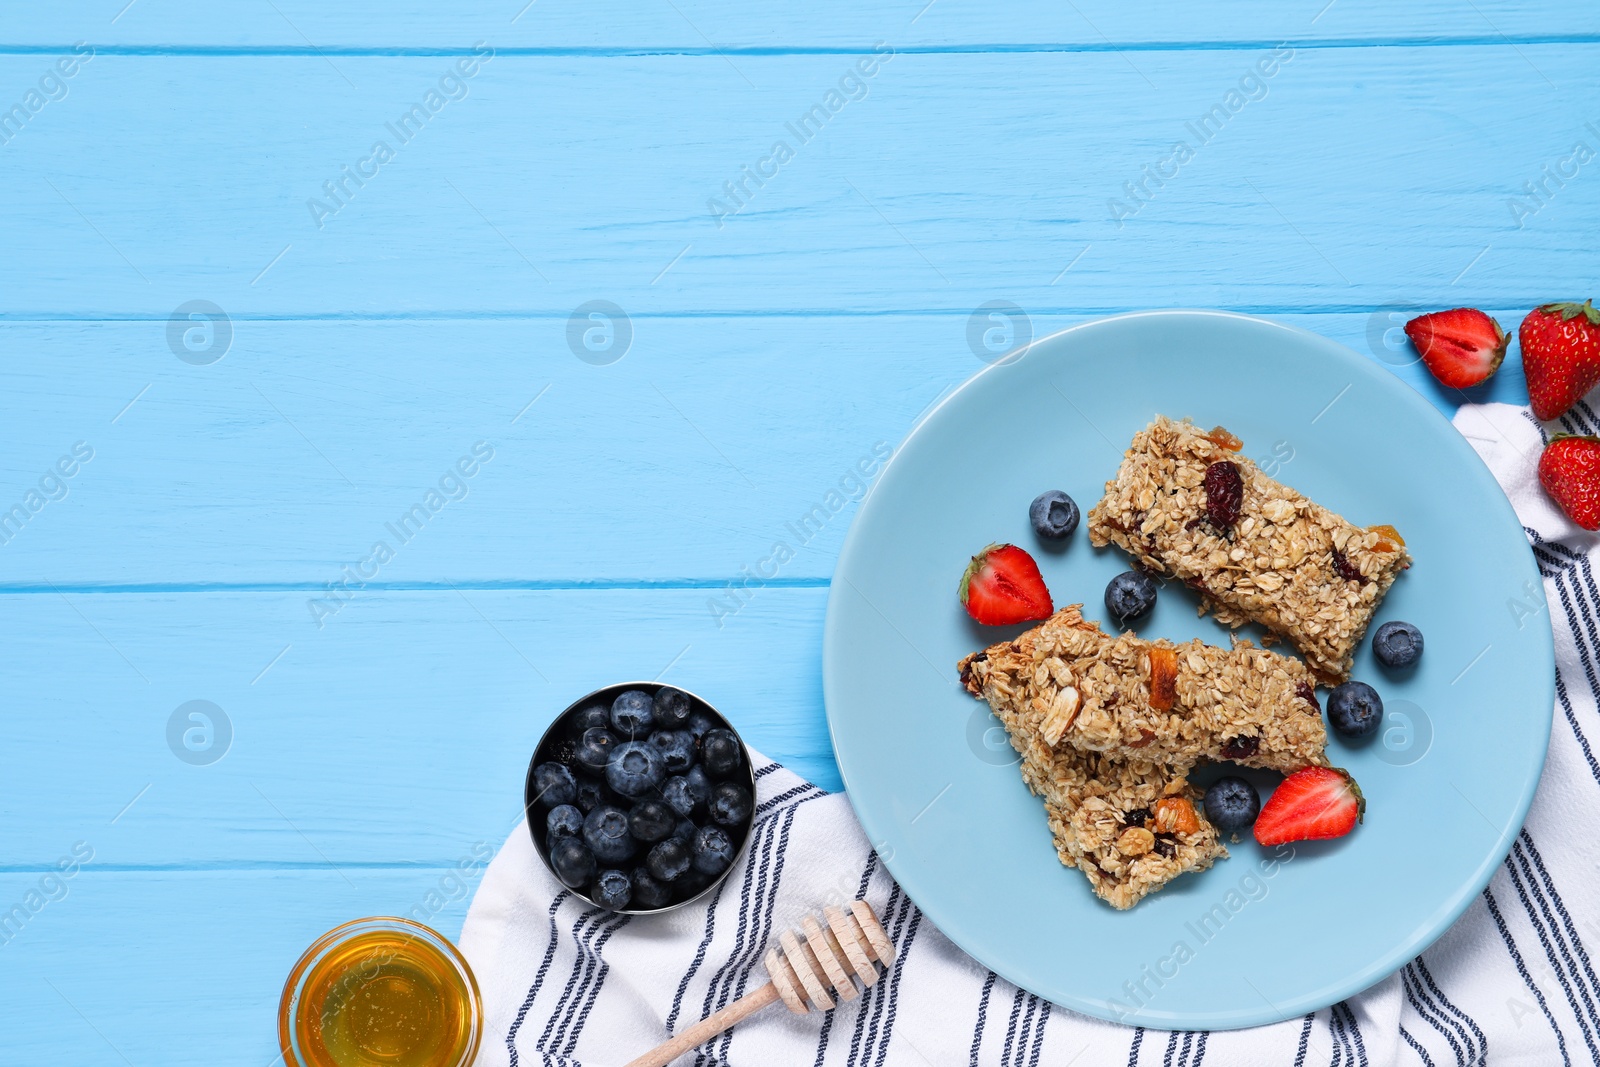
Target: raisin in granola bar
point(1186, 503)
point(1130, 699)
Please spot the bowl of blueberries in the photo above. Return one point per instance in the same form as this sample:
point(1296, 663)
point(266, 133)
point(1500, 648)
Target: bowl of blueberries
point(639, 797)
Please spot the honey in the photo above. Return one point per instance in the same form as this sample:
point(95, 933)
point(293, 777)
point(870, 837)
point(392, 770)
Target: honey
point(380, 993)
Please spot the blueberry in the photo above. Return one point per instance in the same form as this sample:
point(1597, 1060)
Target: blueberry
point(710, 851)
point(647, 892)
point(676, 748)
point(573, 863)
point(651, 820)
point(672, 708)
point(632, 714)
point(605, 831)
point(1130, 595)
point(1054, 515)
point(1397, 644)
point(1355, 709)
point(683, 830)
point(561, 751)
point(691, 883)
point(553, 784)
point(612, 890)
point(730, 804)
point(587, 719)
point(594, 750)
point(700, 724)
point(668, 860)
point(564, 820)
point(1232, 804)
point(636, 768)
point(592, 794)
point(683, 797)
point(721, 753)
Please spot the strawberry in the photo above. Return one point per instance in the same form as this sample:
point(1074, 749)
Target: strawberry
point(1560, 355)
point(1003, 585)
point(1569, 470)
point(1311, 805)
point(1461, 347)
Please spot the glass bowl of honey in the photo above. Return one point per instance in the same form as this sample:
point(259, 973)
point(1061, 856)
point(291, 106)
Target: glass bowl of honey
point(380, 992)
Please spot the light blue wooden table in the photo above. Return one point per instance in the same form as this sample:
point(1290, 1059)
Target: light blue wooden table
point(385, 220)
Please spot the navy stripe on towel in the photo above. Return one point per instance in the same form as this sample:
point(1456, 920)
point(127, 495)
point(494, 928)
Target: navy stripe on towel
point(1305, 1040)
point(1418, 998)
point(1522, 969)
point(1478, 1044)
point(983, 1017)
point(1427, 1061)
point(538, 978)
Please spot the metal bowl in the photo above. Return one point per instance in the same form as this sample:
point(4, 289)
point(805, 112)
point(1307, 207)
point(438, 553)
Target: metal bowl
point(561, 730)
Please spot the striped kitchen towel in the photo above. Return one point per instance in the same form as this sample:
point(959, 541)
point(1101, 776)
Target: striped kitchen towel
point(1511, 983)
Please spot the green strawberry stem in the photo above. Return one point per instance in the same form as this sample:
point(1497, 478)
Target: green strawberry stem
point(972, 570)
point(1571, 310)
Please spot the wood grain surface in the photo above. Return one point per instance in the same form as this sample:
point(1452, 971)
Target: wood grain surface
point(778, 320)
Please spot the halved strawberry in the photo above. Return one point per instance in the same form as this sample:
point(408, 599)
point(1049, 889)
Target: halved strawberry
point(1560, 355)
point(1569, 470)
point(1003, 585)
point(1461, 347)
point(1311, 805)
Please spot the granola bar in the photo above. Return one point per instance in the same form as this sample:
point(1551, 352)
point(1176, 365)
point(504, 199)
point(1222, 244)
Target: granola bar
point(1129, 827)
point(1186, 503)
point(1175, 705)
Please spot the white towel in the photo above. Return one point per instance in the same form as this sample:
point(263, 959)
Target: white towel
point(1511, 983)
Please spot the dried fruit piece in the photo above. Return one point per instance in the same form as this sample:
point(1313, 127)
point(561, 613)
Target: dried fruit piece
point(1136, 817)
point(966, 669)
point(1345, 569)
point(1305, 692)
point(1222, 438)
point(1166, 846)
point(1163, 677)
point(1241, 747)
point(1389, 539)
point(1224, 493)
point(1176, 815)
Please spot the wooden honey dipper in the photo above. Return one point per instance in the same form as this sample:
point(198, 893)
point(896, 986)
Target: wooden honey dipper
point(808, 966)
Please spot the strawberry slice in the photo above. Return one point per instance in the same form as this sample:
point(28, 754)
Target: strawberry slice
point(1569, 470)
point(1003, 585)
point(1311, 805)
point(1560, 355)
point(1461, 347)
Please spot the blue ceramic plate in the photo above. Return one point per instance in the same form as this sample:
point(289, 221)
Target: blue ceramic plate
point(1251, 940)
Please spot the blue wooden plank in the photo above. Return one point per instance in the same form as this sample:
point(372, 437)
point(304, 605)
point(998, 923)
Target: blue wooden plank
point(369, 354)
point(731, 27)
point(395, 734)
point(712, 440)
point(184, 967)
point(956, 179)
